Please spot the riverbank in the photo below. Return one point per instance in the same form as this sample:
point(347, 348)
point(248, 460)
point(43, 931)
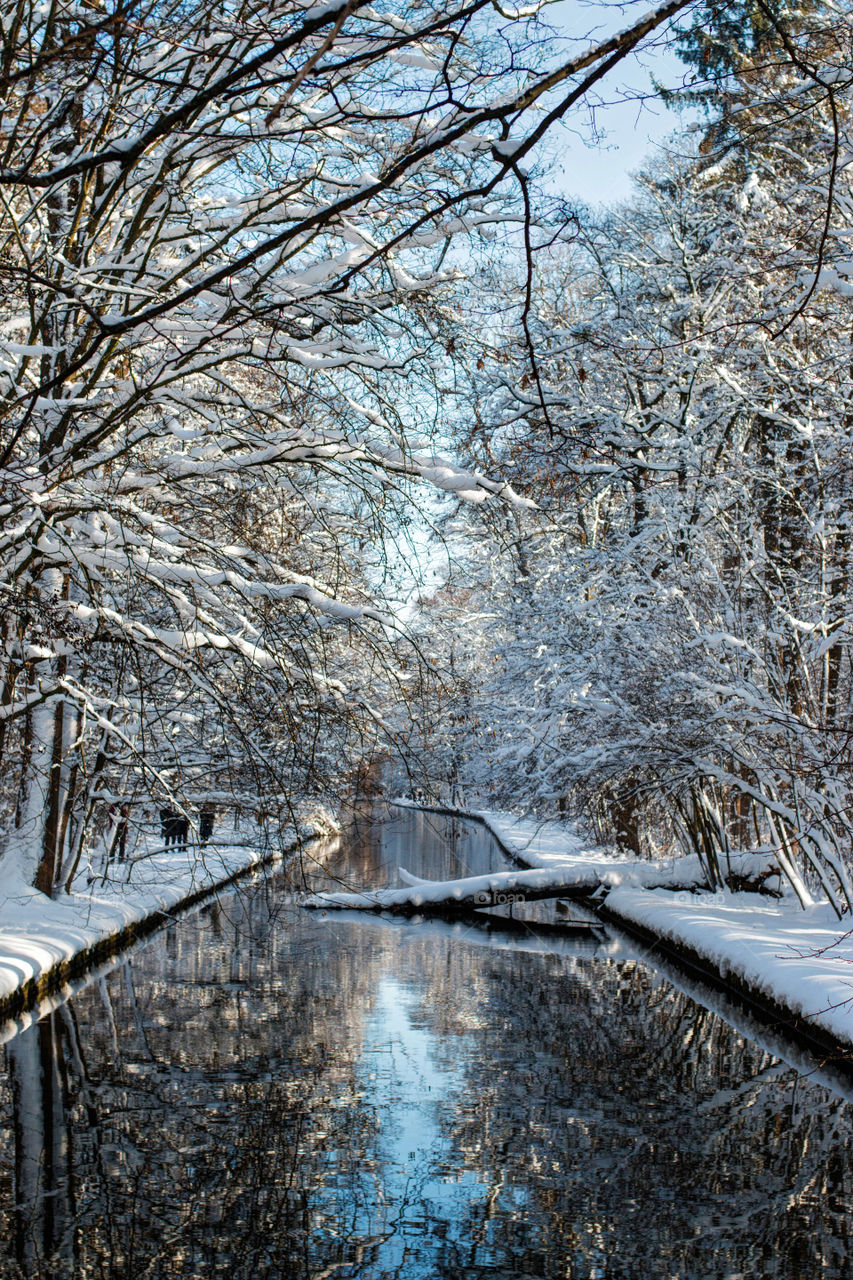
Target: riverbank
point(793, 965)
point(47, 943)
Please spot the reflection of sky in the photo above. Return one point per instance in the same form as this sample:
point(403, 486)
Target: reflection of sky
point(418, 1194)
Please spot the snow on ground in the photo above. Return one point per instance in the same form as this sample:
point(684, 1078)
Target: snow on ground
point(557, 845)
point(37, 933)
point(800, 959)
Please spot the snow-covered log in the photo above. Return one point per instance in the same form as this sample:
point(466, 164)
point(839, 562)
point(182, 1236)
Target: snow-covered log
point(577, 878)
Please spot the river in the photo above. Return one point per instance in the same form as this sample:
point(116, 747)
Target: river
point(264, 1092)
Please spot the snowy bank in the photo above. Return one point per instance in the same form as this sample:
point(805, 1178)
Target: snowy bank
point(794, 965)
point(45, 943)
point(791, 959)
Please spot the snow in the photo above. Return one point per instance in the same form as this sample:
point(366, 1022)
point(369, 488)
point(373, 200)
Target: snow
point(791, 956)
point(508, 147)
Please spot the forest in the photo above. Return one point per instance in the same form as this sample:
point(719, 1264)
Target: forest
point(330, 434)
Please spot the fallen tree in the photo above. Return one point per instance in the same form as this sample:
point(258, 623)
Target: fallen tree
point(577, 878)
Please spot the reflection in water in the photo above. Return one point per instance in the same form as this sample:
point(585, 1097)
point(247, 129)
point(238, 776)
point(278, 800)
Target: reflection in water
point(265, 1093)
point(43, 1171)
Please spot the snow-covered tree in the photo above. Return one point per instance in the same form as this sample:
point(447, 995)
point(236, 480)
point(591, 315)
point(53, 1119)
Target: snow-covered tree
point(687, 674)
point(222, 235)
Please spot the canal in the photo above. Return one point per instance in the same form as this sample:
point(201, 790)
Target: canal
point(263, 1092)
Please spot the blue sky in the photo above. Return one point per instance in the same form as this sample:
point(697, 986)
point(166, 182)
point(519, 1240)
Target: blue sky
point(627, 118)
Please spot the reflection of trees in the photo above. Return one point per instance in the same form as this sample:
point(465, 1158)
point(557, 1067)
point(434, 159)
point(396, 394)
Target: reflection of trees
point(214, 1115)
point(216, 1121)
point(381, 838)
point(42, 1176)
point(660, 1133)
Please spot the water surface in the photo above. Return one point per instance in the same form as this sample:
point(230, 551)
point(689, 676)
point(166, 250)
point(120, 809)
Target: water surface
point(264, 1092)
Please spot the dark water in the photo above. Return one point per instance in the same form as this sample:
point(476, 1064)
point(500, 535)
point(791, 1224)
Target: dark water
point(262, 1092)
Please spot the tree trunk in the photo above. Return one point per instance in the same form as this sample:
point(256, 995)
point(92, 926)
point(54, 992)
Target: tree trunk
point(37, 824)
